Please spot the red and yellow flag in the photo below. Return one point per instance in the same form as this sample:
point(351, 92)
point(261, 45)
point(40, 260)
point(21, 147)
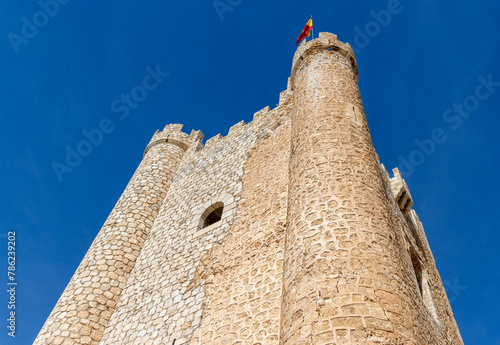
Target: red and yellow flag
point(306, 32)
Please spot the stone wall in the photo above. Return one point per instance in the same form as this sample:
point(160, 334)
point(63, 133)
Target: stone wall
point(244, 273)
point(83, 310)
point(316, 244)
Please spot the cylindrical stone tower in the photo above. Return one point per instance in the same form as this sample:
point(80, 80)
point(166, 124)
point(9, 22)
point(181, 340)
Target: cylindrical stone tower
point(83, 310)
point(337, 221)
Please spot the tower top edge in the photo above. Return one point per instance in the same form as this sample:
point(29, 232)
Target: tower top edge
point(325, 41)
point(174, 131)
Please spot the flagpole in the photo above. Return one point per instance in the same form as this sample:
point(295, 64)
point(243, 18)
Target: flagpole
point(312, 29)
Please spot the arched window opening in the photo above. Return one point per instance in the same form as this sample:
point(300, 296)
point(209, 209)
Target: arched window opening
point(212, 215)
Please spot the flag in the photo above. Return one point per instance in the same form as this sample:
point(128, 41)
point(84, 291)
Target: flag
point(306, 32)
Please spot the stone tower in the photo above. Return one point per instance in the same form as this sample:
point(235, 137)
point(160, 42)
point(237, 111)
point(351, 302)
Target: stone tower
point(286, 231)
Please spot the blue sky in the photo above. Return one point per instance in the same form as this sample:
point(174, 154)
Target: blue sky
point(421, 71)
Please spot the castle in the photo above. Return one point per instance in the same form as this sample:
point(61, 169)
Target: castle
point(286, 231)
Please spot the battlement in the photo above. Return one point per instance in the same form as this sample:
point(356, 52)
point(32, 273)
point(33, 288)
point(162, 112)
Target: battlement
point(172, 134)
point(325, 41)
point(266, 119)
point(397, 188)
point(401, 192)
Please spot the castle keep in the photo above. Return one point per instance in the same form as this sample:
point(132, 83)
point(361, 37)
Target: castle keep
point(286, 231)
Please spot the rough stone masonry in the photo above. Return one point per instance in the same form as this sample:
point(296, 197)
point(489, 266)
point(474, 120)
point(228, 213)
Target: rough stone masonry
point(286, 231)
